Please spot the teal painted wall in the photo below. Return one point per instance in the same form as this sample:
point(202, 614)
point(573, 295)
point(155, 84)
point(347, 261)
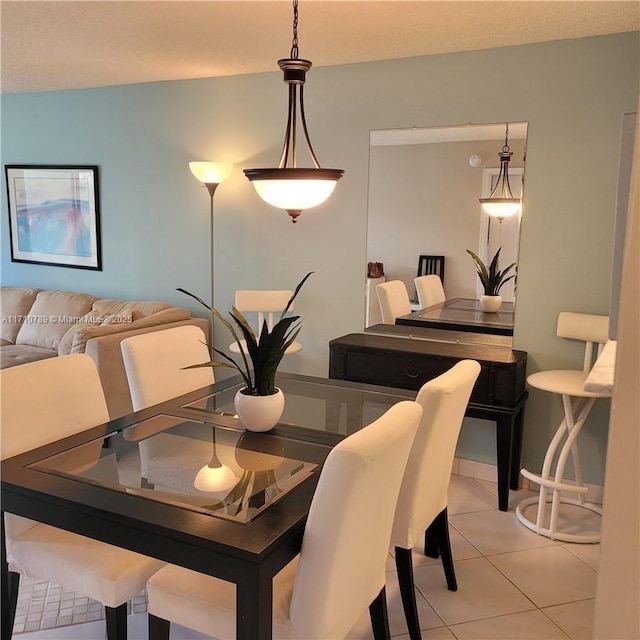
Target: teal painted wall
point(155, 216)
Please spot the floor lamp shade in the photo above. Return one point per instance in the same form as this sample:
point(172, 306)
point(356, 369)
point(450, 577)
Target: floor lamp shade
point(211, 172)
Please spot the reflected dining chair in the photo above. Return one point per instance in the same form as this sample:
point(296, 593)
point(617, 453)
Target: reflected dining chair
point(42, 402)
point(394, 300)
point(266, 304)
point(341, 569)
point(422, 504)
point(577, 403)
point(430, 290)
point(155, 366)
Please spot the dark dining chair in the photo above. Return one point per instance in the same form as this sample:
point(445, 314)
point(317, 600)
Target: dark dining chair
point(431, 265)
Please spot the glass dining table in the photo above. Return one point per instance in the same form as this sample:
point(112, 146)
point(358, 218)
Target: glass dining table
point(462, 314)
point(183, 482)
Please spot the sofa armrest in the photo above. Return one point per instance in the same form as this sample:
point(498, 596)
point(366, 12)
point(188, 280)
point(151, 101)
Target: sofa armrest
point(105, 351)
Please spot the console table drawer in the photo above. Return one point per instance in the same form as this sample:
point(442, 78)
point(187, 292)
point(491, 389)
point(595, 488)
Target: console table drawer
point(408, 366)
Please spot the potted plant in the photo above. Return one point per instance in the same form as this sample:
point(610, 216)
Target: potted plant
point(492, 280)
point(259, 404)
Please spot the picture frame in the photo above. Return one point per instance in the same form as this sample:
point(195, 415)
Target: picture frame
point(54, 215)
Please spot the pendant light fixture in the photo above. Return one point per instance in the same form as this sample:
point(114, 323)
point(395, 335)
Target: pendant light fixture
point(288, 186)
point(501, 203)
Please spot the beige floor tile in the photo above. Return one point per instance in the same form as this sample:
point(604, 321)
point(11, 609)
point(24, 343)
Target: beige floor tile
point(483, 592)
point(496, 531)
point(397, 623)
point(515, 496)
point(575, 618)
point(530, 625)
point(441, 633)
point(589, 553)
point(549, 576)
point(466, 495)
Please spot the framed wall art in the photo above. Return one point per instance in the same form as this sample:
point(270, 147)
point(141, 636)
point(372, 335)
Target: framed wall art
point(54, 216)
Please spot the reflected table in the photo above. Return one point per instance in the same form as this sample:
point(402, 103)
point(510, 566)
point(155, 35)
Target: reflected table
point(183, 482)
point(462, 314)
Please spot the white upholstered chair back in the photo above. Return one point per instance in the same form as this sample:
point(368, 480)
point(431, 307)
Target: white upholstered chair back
point(268, 305)
point(590, 328)
point(430, 290)
point(342, 564)
point(424, 488)
point(155, 364)
point(50, 399)
point(394, 300)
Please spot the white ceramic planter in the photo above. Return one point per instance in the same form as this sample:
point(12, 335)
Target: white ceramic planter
point(490, 304)
point(259, 413)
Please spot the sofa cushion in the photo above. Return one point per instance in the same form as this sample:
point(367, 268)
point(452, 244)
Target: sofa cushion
point(14, 354)
point(136, 309)
point(15, 303)
point(51, 316)
point(172, 314)
point(91, 319)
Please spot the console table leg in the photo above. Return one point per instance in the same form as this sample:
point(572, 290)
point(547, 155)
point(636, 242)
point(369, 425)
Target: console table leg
point(504, 434)
point(516, 449)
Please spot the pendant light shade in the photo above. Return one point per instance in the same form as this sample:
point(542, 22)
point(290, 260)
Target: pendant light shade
point(288, 186)
point(501, 203)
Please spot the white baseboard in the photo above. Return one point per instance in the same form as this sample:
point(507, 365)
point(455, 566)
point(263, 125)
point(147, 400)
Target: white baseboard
point(489, 473)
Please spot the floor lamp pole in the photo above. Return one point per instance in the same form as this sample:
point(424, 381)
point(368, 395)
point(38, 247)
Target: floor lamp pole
point(211, 186)
point(211, 174)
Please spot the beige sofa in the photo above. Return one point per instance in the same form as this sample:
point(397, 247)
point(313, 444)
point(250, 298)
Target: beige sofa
point(38, 324)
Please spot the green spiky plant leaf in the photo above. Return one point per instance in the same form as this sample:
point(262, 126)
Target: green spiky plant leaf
point(492, 278)
point(261, 357)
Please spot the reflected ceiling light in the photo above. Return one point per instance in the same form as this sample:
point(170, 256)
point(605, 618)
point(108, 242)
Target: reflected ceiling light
point(501, 203)
point(288, 186)
point(215, 477)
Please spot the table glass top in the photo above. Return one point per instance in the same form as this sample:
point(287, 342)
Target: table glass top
point(313, 403)
point(208, 463)
point(225, 472)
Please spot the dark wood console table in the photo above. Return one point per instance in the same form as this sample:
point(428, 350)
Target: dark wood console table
point(406, 357)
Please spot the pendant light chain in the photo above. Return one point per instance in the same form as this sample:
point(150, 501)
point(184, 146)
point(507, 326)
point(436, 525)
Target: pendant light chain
point(294, 43)
point(506, 140)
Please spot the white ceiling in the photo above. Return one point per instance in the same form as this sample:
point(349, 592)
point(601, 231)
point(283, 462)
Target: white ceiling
point(65, 44)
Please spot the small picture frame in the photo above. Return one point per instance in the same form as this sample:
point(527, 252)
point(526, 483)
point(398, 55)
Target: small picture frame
point(54, 215)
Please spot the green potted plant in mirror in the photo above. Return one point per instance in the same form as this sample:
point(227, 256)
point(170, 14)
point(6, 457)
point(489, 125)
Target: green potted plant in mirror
point(492, 280)
point(259, 404)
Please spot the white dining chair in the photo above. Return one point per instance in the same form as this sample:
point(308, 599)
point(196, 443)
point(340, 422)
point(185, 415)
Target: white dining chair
point(268, 305)
point(42, 402)
point(430, 290)
point(394, 300)
point(155, 366)
point(341, 568)
point(422, 504)
point(577, 403)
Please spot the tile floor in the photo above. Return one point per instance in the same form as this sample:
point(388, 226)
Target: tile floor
point(512, 583)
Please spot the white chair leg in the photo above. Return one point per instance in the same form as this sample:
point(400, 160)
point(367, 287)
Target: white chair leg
point(576, 413)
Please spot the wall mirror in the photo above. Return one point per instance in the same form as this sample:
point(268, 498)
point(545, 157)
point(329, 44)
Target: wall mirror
point(424, 190)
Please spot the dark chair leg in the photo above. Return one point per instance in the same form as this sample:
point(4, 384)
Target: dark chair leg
point(377, 612)
point(116, 622)
point(14, 585)
point(432, 540)
point(404, 565)
point(158, 628)
point(442, 524)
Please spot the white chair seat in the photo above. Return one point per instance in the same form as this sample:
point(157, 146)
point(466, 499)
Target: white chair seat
point(100, 571)
point(173, 592)
point(563, 381)
point(294, 347)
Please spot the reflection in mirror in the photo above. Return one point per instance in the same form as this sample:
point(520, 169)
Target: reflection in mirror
point(424, 191)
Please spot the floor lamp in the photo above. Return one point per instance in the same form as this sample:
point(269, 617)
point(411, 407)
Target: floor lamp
point(211, 174)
